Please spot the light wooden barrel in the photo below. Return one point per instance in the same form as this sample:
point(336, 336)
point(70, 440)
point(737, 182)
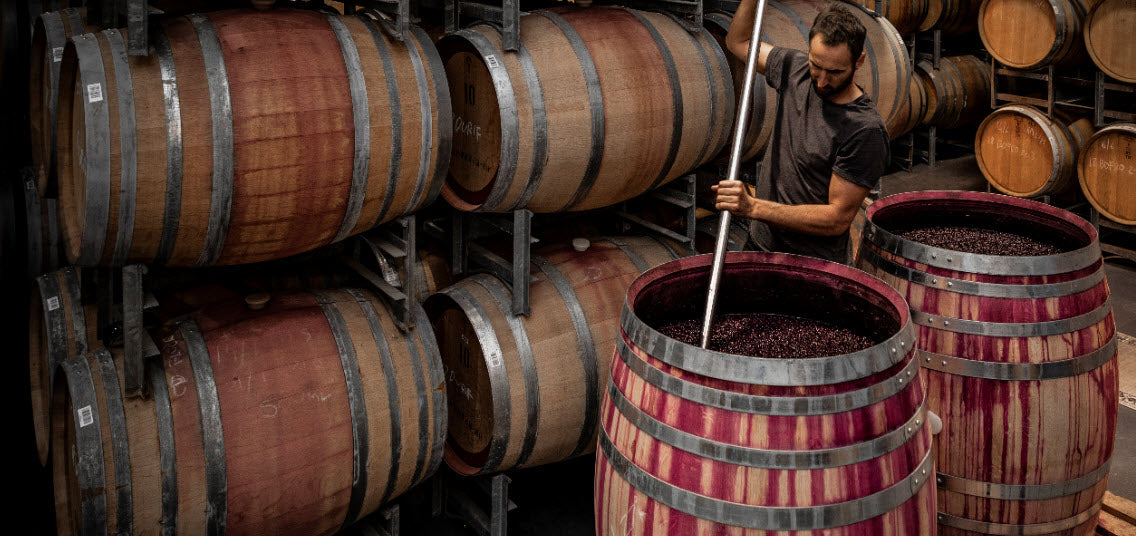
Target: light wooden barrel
point(525, 391)
point(912, 113)
point(1024, 153)
point(905, 15)
point(885, 75)
point(1021, 359)
point(1030, 35)
point(951, 17)
point(59, 327)
point(598, 106)
point(213, 150)
point(1107, 172)
point(958, 92)
point(49, 37)
point(696, 442)
point(1107, 31)
point(296, 419)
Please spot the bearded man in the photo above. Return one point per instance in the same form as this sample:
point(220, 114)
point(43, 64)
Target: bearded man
point(829, 144)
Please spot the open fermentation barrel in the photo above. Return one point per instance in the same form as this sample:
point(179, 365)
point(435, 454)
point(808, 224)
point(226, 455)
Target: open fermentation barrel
point(1025, 153)
point(246, 136)
point(1018, 343)
point(1107, 172)
point(1030, 35)
point(1107, 30)
point(698, 441)
point(298, 418)
point(884, 76)
point(49, 36)
point(597, 106)
point(525, 390)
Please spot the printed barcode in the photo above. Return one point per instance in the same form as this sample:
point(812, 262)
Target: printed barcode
point(53, 303)
point(86, 417)
point(94, 92)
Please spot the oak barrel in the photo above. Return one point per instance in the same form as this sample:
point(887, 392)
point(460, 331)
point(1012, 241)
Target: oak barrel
point(1107, 31)
point(764, 99)
point(884, 76)
point(1025, 153)
point(951, 17)
point(912, 113)
point(598, 106)
point(59, 327)
point(958, 92)
point(44, 245)
point(1021, 359)
point(1107, 172)
point(905, 15)
point(299, 418)
point(525, 390)
point(1030, 35)
point(228, 155)
point(49, 36)
point(698, 442)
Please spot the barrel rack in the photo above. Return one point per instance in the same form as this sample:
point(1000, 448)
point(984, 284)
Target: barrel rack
point(1089, 93)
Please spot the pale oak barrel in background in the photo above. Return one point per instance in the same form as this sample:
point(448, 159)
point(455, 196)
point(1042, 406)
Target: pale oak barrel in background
point(951, 17)
point(697, 442)
point(525, 391)
point(597, 106)
point(299, 418)
point(1025, 153)
point(958, 92)
point(1021, 360)
point(1107, 172)
point(1033, 34)
point(1108, 38)
point(905, 15)
point(213, 151)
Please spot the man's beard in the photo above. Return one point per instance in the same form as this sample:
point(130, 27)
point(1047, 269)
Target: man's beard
point(827, 92)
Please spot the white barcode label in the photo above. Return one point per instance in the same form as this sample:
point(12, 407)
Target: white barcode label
point(86, 417)
point(57, 54)
point(30, 185)
point(53, 303)
point(94, 92)
point(491, 61)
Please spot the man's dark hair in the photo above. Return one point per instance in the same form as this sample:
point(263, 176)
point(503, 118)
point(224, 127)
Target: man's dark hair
point(837, 25)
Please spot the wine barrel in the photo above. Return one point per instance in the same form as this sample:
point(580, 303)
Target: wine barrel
point(905, 15)
point(958, 92)
point(299, 418)
point(246, 161)
point(951, 17)
point(44, 245)
point(525, 390)
point(1106, 170)
point(885, 75)
point(912, 113)
point(698, 442)
point(1021, 359)
point(1024, 153)
point(49, 36)
point(59, 327)
point(1107, 30)
point(1030, 35)
point(597, 106)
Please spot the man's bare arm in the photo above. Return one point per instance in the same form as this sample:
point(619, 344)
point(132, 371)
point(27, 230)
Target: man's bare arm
point(740, 33)
point(832, 219)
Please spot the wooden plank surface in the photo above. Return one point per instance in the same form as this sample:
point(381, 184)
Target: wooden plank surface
point(1118, 515)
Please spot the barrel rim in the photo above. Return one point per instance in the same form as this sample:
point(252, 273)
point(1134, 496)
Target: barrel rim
point(1061, 263)
point(761, 370)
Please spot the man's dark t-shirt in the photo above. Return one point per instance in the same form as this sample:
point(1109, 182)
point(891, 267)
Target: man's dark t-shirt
point(812, 139)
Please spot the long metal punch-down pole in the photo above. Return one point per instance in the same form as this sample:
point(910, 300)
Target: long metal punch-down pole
point(735, 165)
